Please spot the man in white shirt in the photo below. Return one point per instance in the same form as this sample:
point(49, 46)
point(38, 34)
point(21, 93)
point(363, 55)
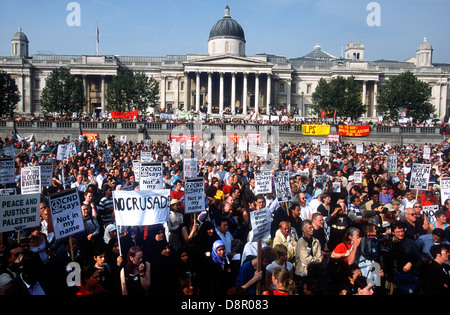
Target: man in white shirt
point(305, 210)
point(79, 185)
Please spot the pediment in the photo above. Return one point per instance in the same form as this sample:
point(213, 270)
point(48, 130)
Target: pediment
point(228, 61)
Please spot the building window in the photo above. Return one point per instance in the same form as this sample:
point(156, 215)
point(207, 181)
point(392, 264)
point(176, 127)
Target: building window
point(181, 86)
point(37, 84)
point(169, 85)
point(282, 90)
point(308, 89)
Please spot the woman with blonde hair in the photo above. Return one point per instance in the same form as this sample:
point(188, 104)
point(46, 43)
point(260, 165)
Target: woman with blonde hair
point(281, 278)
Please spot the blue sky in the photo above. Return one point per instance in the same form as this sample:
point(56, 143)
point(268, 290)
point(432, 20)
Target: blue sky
point(289, 28)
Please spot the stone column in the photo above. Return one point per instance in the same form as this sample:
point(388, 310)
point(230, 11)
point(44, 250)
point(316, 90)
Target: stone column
point(364, 95)
point(269, 87)
point(288, 95)
point(375, 102)
point(244, 95)
point(210, 93)
point(256, 93)
point(233, 93)
point(221, 94)
point(163, 92)
point(197, 92)
point(186, 91)
point(103, 94)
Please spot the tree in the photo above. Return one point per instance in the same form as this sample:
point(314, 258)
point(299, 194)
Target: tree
point(129, 91)
point(405, 91)
point(9, 94)
point(340, 94)
point(63, 93)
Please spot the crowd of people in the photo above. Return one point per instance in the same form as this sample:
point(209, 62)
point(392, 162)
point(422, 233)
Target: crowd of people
point(370, 237)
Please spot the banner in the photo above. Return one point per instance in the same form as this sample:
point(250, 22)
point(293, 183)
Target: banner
point(19, 212)
point(316, 129)
point(7, 173)
point(183, 138)
point(125, 115)
point(65, 207)
point(282, 186)
point(354, 131)
point(46, 173)
point(194, 195)
point(65, 151)
point(150, 176)
point(136, 208)
point(420, 174)
point(260, 221)
point(146, 156)
point(30, 180)
point(9, 151)
point(90, 136)
point(184, 114)
point(263, 182)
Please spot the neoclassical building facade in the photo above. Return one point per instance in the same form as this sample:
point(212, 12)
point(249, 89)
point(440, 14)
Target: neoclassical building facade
point(226, 79)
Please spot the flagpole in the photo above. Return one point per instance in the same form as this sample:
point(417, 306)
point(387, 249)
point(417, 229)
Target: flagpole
point(97, 41)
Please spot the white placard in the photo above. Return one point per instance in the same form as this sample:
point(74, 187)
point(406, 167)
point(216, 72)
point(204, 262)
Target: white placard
point(150, 176)
point(146, 156)
point(445, 189)
point(46, 173)
point(358, 177)
point(137, 170)
point(282, 186)
point(429, 212)
point(194, 195)
point(420, 174)
point(65, 208)
point(325, 149)
point(263, 182)
point(360, 148)
point(30, 180)
point(391, 164)
point(137, 208)
point(19, 212)
point(9, 151)
point(7, 173)
point(190, 168)
point(261, 221)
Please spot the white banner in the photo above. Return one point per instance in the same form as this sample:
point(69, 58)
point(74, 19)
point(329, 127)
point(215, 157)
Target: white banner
point(136, 208)
point(194, 195)
point(30, 180)
point(263, 182)
point(19, 212)
point(150, 176)
point(7, 174)
point(282, 186)
point(65, 207)
point(420, 174)
point(261, 221)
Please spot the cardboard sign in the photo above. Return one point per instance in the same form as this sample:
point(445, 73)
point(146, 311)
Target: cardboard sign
point(146, 156)
point(420, 174)
point(107, 156)
point(136, 208)
point(150, 176)
point(429, 212)
point(263, 182)
point(46, 173)
point(190, 168)
point(194, 195)
point(261, 221)
point(65, 151)
point(391, 163)
point(445, 189)
point(7, 174)
point(30, 180)
point(19, 212)
point(65, 207)
point(282, 186)
point(137, 170)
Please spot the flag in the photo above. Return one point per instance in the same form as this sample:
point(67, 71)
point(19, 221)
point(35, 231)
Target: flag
point(98, 39)
point(328, 114)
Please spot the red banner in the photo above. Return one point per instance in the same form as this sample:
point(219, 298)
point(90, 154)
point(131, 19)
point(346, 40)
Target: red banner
point(354, 131)
point(127, 115)
point(183, 137)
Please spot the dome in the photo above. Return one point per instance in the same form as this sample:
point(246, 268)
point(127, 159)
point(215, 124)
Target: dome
point(227, 27)
point(20, 36)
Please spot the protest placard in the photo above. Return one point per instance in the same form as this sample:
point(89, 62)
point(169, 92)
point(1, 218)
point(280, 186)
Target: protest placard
point(325, 149)
point(194, 195)
point(7, 174)
point(391, 163)
point(8, 192)
point(19, 212)
point(46, 173)
point(30, 180)
point(426, 152)
point(136, 208)
point(9, 150)
point(190, 168)
point(260, 221)
point(429, 212)
point(107, 158)
point(65, 151)
point(358, 177)
point(263, 182)
point(150, 176)
point(136, 164)
point(65, 207)
point(282, 186)
point(420, 174)
point(359, 148)
point(445, 189)
point(146, 156)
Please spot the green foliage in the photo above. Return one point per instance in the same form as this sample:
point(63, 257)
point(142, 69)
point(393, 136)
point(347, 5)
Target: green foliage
point(405, 91)
point(9, 95)
point(63, 93)
point(129, 91)
point(341, 94)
